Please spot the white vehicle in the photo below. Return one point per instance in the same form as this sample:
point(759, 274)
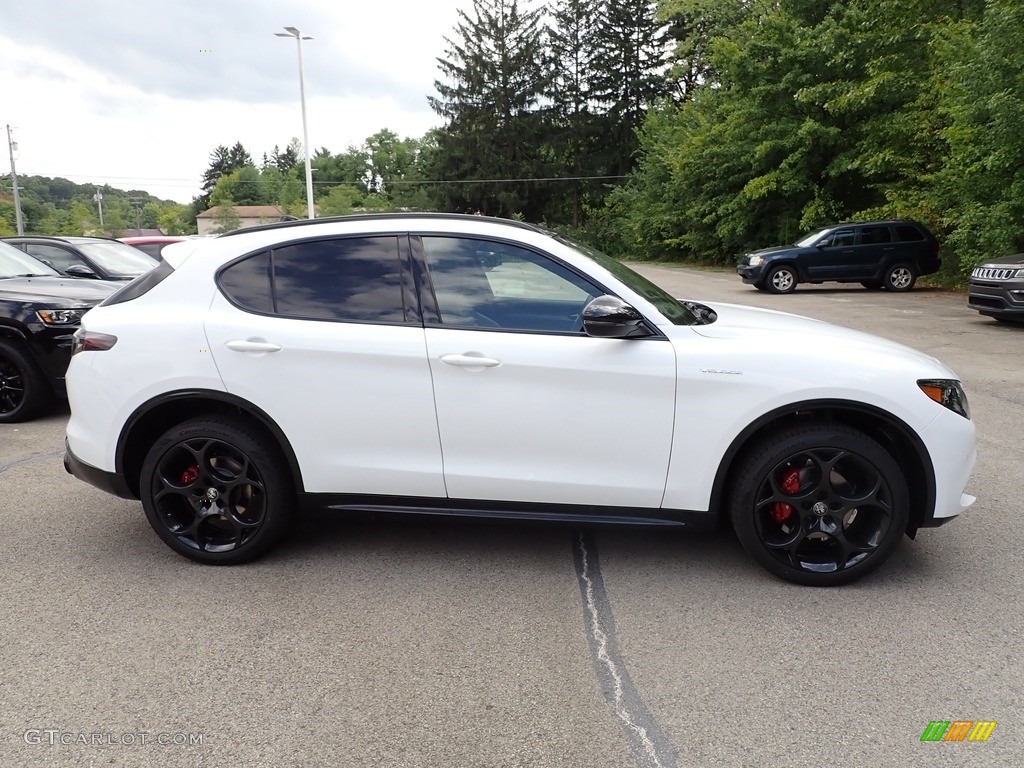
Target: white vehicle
point(466, 366)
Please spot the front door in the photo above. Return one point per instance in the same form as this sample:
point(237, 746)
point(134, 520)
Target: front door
point(530, 408)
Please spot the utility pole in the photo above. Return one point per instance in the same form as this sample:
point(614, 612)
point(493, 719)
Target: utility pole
point(11, 146)
point(98, 197)
point(136, 203)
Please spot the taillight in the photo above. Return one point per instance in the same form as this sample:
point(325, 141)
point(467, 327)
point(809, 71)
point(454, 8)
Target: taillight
point(92, 341)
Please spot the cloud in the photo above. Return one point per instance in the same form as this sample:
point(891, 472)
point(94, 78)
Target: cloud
point(135, 95)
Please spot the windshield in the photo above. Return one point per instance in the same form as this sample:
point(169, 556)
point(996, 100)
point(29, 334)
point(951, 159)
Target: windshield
point(17, 263)
point(668, 306)
point(117, 258)
point(812, 238)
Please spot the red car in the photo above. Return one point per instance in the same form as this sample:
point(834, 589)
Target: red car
point(152, 244)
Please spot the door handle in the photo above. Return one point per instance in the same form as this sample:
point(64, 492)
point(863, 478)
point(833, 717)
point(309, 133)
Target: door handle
point(245, 345)
point(470, 361)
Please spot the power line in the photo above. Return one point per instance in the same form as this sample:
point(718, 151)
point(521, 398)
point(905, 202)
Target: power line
point(165, 182)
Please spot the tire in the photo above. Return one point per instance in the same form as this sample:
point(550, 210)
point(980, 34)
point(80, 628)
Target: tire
point(781, 279)
point(819, 505)
point(217, 491)
point(900, 277)
point(872, 285)
point(23, 388)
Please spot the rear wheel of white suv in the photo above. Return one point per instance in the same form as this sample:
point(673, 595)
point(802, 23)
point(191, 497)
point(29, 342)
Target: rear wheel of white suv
point(216, 491)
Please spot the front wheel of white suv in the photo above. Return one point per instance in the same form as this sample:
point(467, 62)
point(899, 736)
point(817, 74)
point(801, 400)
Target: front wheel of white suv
point(216, 491)
point(820, 505)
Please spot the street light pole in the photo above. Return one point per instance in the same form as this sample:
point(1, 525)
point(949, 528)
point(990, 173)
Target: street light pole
point(299, 37)
point(20, 223)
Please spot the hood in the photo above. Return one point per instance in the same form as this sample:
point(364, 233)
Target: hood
point(769, 328)
point(64, 290)
point(1016, 260)
point(771, 251)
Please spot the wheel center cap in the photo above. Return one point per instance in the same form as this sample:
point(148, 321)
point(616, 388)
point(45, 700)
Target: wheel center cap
point(212, 494)
point(820, 508)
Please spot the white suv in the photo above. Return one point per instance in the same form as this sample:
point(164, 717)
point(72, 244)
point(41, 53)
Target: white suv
point(466, 366)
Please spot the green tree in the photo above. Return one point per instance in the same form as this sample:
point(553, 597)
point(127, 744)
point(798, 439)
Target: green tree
point(244, 186)
point(8, 219)
point(494, 76)
point(574, 62)
point(341, 199)
point(981, 188)
point(225, 219)
point(223, 160)
point(631, 43)
point(173, 220)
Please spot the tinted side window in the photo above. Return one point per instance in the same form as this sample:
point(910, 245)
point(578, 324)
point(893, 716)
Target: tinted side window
point(247, 283)
point(57, 257)
point(356, 279)
point(488, 284)
point(907, 233)
point(875, 235)
point(839, 239)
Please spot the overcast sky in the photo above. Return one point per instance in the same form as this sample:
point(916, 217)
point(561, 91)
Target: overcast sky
point(136, 93)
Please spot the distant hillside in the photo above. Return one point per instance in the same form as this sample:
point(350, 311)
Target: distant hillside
point(62, 207)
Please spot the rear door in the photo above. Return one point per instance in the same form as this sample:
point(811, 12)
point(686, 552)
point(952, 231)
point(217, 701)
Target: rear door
point(875, 246)
point(325, 337)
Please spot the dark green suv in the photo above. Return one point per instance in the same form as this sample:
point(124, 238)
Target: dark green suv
point(876, 254)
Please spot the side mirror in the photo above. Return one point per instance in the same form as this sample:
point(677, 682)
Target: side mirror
point(609, 317)
point(79, 270)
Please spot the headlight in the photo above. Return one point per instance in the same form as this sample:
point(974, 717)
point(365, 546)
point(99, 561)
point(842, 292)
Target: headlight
point(756, 261)
point(947, 392)
point(61, 316)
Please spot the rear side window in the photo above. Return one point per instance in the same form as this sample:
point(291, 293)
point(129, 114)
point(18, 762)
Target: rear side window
point(875, 235)
point(908, 234)
point(247, 284)
point(355, 279)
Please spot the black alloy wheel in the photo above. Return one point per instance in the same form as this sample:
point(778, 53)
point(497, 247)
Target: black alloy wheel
point(23, 390)
point(216, 491)
point(781, 279)
point(900, 277)
point(819, 505)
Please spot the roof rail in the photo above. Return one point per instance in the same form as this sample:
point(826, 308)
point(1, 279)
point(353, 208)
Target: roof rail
point(397, 215)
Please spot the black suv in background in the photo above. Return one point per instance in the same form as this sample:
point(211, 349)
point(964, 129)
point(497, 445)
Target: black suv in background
point(39, 313)
point(876, 254)
point(997, 288)
point(95, 257)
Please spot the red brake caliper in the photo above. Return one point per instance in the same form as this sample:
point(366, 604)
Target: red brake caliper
point(189, 474)
point(789, 483)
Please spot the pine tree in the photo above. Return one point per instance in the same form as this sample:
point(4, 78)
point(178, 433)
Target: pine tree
point(494, 80)
point(574, 70)
point(633, 48)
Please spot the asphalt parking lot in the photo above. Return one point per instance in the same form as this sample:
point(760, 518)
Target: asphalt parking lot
point(440, 644)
